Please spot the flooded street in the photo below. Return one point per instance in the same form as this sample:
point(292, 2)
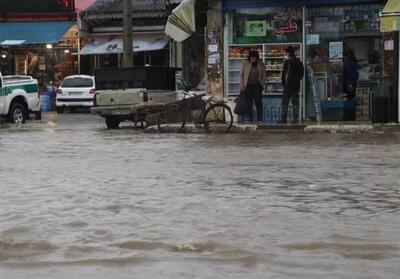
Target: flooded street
point(81, 201)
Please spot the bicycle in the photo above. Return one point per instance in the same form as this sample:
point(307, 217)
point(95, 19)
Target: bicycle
point(213, 115)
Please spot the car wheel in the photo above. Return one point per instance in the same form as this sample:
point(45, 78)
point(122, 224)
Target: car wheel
point(60, 110)
point(17, 113)
point(112, 122)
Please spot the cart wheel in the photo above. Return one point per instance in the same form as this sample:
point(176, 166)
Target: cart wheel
point(112, 122)
point(174, 115)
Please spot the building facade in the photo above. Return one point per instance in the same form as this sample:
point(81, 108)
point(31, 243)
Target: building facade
point(326, 34)
point(38, 39)
point(102, 28)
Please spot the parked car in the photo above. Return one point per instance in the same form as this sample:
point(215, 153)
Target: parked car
point(75, 91)
point(19, 96)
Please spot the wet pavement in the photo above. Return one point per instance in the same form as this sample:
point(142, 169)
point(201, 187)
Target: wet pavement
point(81, 201)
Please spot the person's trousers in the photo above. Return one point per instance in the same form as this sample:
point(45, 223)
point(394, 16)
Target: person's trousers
point(294, 96)
point(254, 93)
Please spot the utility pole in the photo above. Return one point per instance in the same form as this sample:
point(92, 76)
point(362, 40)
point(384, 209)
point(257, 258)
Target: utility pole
point(127, 57)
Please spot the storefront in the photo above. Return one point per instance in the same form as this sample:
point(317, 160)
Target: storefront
point(269, 30)
point(345, 49)
point(339, 42)
point(47, 56)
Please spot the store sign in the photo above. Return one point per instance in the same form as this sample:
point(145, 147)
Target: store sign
point(114, 44)
point(335, 51)
point(290, 17)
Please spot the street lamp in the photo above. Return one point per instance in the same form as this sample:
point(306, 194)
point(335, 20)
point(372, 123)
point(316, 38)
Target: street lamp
point(49, 46)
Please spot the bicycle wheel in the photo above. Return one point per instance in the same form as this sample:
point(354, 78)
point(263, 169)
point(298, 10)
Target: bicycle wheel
point(173, 115)
point(218, 118)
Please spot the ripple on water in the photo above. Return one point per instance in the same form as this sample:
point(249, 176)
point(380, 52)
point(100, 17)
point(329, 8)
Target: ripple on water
point(14, 249)
point(368, 251)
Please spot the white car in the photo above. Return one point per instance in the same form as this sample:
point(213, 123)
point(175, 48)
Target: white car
point(75, 91)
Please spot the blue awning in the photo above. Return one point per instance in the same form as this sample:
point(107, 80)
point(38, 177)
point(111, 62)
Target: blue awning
point(238, 4)
point(29, 33)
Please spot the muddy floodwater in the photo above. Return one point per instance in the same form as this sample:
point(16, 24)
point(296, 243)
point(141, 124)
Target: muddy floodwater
point(81, 201)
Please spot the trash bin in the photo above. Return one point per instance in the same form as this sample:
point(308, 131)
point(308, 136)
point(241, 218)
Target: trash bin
point(339, 110)
point(380, 112)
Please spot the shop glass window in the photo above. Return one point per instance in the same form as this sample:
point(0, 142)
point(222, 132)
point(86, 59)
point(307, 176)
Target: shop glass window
point(267, 25)
point(337, 35)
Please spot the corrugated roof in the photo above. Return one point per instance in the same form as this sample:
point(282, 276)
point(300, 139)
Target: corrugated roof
point(115, 6)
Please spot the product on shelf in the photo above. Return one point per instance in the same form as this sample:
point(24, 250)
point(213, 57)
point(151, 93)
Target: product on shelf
point(273, 56)
point(242, 52)
point(276, 52)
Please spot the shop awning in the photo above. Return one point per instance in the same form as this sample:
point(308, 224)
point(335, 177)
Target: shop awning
point(238, 4)
point(181, 23)
point(390, 16)
point(30, 33)
point(114, 44)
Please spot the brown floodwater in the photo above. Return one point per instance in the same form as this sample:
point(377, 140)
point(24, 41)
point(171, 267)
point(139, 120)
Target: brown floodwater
point(81, 201)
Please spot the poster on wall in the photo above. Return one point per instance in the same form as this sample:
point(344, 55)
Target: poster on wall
point(256, 28)
point(313, 39)
point(214, 81)
point(335, 51)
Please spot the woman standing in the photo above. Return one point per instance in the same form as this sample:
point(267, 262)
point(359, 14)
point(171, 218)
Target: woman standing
point(252, 79)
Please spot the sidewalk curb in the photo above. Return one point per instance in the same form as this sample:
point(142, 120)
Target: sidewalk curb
point(193, 129)
point(378, 129)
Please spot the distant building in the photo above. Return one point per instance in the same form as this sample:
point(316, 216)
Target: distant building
point(38, 38)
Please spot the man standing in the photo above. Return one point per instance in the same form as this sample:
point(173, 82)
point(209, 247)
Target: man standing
point(293, 72)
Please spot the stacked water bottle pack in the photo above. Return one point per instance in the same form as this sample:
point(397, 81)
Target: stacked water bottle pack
point(273, 109)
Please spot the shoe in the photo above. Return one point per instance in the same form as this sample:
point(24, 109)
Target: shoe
point(294, 122)
point(281, 122)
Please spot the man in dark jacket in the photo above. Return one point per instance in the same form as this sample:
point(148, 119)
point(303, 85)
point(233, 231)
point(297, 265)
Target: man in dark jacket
point(293, 72)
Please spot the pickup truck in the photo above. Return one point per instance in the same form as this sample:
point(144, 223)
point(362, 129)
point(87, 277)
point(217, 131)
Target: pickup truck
point(122, 93)
point(19, 96)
